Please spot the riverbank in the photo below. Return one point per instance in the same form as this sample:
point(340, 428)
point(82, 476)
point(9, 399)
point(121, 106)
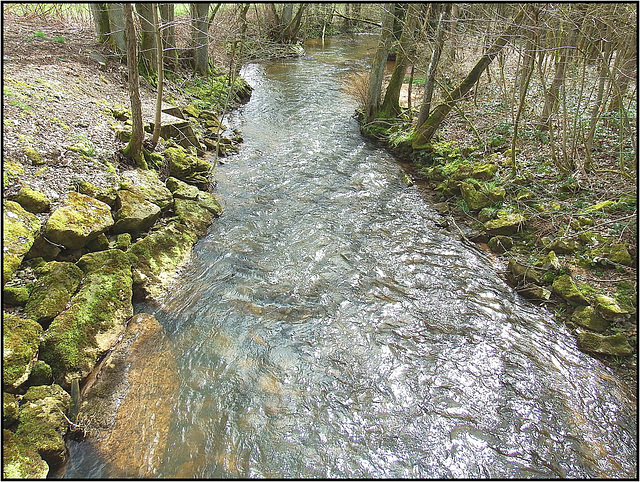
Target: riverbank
point(84, 232)
point(567, 244)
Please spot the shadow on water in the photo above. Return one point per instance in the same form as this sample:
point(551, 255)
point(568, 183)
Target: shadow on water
point(326, 327)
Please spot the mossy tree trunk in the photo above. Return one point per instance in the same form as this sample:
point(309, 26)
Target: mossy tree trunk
point(379, 62)
point(425, 132)
point(200, 37)
point(391, 103)
point(148, 38)
point(100, 14)
point(133, 150)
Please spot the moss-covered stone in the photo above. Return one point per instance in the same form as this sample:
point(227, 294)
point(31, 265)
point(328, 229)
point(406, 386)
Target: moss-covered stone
point(32, 200)
point(94, 319)
point(15, 295)
point(566, 288)
point(34, 156)
point(20, 460)
point(500, 244)
point(40, 374)
point(475, 199)
point(157, 257)
point(134, 214)
point(41, 421)
point(106, 195)
point(209, 202)
point(521, 274)
point(607, 307)
point(550, 262)
point(615, 253)
point(193, 215)
point(19, 230)
point(505, 224)
point(43, 248)
point(181, 189)
point(53, 291)
point(601, 206)
point(147, 185)
point(607, 345)
point(20, 340)
point(123, 241)
point(187, 167)
point(482, 172)
point(99, 244)
point(535, 292)
point(497, 195)
point(587, 317)
point(10, 409)
point(563, 245)
point(80, 220)
point(487, 214)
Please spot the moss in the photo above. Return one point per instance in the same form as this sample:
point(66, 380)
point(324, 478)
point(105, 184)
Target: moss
point(505, 224)
point(187, 167)
point(607, 307)
point(475, 199)
point(123, 241)
point(565, 287)
point(19, 229)
point(135, 214)
point(20, 460)
point(194, 215)
point(15, 295)
point(40, 374)
point(20, 338)
point(95, 317)
point(147, 185)
point(607, 345)
point(33, 155)
point(587, 317)
point(53, 290)
point(99, 244)
point(32, 200)
point(615, 253)
point(106, 195)
point(500, 244)
point(10, 409)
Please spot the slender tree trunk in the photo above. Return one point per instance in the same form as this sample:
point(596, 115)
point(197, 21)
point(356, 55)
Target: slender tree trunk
point(427, 129)
point(200, 37)
point(551, 97)
point(100, 15)
point(429, 84)
point(170, 54)
point(148, 37)
point(379, 63)
point(391, 103)
point(133, 150)
point(292, 27)
point(160, 84)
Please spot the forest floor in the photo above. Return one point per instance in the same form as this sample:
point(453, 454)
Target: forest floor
point(58, 129)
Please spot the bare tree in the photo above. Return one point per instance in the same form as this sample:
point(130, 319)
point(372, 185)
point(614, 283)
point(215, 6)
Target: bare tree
point(160, 84)
point(379, 62)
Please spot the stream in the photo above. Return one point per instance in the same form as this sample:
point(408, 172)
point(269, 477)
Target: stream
point(326, 327)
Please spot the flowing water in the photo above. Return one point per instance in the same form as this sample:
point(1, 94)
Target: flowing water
point(326, 327)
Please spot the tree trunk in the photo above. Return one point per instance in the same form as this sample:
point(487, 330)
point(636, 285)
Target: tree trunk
point(429, 84)
point(391, 103)
point(100, 15)
point(134, 148)
point(427, 129)
point(160, 84)
point(148, 38)
point(292, 27)
point(551, 97)
point(170, 53)
point(116, 22)
point(200, 37)
point(379, 63)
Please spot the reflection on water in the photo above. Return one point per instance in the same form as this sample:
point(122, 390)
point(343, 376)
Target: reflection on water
point(327, 328)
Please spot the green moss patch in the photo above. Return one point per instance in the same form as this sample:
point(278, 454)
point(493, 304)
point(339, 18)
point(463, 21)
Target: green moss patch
point(20, 340)
point(19, 230)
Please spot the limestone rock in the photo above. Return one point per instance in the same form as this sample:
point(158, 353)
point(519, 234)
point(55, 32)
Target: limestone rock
point(20, 340)
point(566, 288)
point(616, 253)
point(19, 230)
point(32, 200)
point(482, 172)
point(43, 248)
point(10, 409)
point(506, 224)
point(535, 292)
point(607, 345)
point(187, 167)
point(563, 245)
point(106, 195)
point(209, 202)
point(475, 199)
point(95, 318)
point(587, 317)
point(134, 214)
point(500, 244)
point(53, 290)
point(80, 220)
point(146, 184)
point(20, 460)
point(519, 273)
point(194, 215)
point(15, 295)
point(181, 189)
point(177, 129)
point(608, 308)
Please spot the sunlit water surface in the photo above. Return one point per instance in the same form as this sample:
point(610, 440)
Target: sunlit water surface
point(326, 327)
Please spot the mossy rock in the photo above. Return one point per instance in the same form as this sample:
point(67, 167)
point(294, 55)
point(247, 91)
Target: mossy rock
point(187, 167)
point(94, 319)
point(433, 173)
point(606, 345)
point(43, 248)
point(487, 214)
point(21, 460)
point(475, 199)
point(106, 195)
point(550, 262)
point(15, 295)
point(505, 224)
point(536, 293)
point(41, 421)
point(81, 219)
point(607, 307)
point(32, 200)
point(53, 291)
point(520, 274)
point(587, 317)
point(500, 244)
point(20, 340)
point(122, 242)
point(157, 257)
point(209, 202)
point(563, 245)
point(34, 156)
point(135, 214)
point(41, 374)
point(194, 215)
point(482, 172)
point(497, 195)
point(181, 189)
point(615, 253)
point(147, 185)
point(19, 230)
point(99, 244)
point(10, 409)
point(566, 288)
point(601, 206)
